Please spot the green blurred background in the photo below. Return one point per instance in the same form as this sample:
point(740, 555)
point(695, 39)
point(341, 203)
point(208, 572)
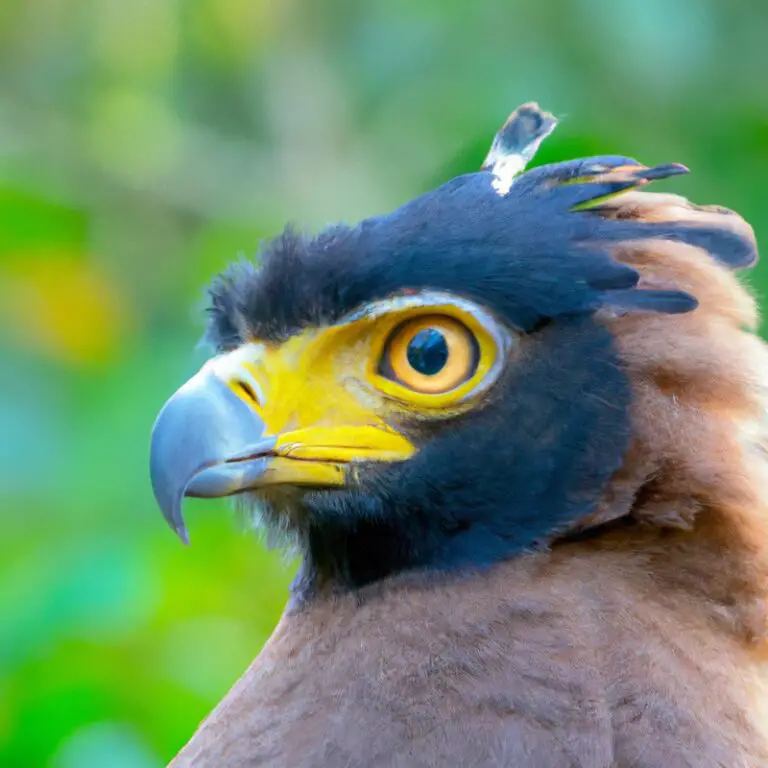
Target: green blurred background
point(146, 143)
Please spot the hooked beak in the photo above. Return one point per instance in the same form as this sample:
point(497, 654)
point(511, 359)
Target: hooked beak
point(208, 441)
point(197, 439)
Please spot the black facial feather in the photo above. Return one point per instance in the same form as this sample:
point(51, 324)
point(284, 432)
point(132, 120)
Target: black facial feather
point(537, 454)
point(499, 480)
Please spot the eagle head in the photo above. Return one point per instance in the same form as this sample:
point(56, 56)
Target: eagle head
point(483, 371)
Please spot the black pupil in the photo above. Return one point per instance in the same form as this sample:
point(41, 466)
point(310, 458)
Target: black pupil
point(428, 352)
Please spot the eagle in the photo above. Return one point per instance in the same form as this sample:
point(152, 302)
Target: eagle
point(516, 432)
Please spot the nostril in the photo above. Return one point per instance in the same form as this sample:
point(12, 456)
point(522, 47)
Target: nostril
point(243, 381)
point(245, 389)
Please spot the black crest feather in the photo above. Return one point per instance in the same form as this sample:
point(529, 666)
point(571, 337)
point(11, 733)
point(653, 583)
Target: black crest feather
point(539, 250)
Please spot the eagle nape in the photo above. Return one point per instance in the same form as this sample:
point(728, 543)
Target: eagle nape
point(515, 431)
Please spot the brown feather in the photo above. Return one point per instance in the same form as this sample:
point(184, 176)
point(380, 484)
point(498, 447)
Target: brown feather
point(582, 657)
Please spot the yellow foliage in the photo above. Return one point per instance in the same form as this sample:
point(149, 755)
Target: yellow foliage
point(63, 307)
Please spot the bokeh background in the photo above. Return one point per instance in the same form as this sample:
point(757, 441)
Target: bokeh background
point(146, 143)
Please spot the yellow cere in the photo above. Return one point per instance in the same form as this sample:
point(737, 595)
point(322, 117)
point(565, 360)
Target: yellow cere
point(324, 395)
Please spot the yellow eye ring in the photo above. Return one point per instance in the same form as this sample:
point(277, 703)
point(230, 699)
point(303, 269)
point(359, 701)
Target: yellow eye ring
point(430, 354)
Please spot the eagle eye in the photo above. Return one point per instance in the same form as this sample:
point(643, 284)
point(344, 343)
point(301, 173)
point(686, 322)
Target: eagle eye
point(430, 355)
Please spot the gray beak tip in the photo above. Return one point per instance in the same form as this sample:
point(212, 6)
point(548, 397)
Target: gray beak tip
point(181, 532)
point(170, 506)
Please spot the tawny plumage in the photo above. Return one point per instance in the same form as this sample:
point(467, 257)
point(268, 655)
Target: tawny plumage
point(558, 558)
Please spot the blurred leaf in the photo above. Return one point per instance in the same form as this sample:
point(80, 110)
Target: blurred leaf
point(63, 306)
point(118, 744)
point(29, 222)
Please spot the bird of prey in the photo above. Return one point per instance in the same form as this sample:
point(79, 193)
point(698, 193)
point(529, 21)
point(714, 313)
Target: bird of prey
point(516, 432)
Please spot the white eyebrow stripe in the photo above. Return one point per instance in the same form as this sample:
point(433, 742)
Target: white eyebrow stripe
point(425, 298)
